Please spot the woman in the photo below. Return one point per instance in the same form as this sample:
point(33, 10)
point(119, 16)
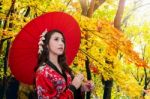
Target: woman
point(54, 79)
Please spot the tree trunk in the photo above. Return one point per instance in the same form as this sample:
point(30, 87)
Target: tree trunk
point(107, 88)
point(5, 23)
point(107, 83)
point(5, 70)
point(94, 4)
point(84, 7)
point(119, 14)
point(146, 81)
point(1, 89)
point(91, 8)
point(12, 89)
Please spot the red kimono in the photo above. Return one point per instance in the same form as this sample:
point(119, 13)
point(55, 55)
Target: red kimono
point(51, 84)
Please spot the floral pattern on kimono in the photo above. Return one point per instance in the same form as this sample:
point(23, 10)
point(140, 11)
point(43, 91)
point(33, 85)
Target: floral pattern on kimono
point(51, 85)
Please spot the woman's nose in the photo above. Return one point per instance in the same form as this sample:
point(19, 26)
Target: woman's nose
point(61, 42)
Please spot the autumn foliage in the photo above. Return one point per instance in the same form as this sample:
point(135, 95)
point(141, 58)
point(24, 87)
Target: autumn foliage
point(110, 52)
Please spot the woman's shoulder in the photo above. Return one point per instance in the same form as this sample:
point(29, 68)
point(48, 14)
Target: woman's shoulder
point(42, 69)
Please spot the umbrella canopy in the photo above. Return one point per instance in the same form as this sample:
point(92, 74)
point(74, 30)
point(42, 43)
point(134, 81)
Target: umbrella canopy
point(23, 55)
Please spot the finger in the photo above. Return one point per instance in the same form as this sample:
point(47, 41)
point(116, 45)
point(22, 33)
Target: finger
point(79, 73)
point(80, 76)
point(92, 86)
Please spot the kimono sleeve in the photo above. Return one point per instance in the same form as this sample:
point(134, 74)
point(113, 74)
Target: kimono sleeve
point(46, 90)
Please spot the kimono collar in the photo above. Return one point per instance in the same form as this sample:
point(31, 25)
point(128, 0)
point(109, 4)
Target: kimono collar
point(55, 68)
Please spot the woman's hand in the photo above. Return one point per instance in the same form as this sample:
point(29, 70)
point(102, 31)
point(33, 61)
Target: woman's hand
point(87, 86)
point(77, 81)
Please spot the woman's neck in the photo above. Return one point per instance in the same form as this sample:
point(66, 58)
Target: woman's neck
point(53, 59)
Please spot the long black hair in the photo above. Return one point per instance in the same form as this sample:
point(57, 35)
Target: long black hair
point(43, 57)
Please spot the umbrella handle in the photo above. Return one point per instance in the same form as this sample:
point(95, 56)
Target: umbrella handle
point(88, 71)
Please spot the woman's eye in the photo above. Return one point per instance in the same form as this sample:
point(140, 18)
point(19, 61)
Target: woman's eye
point(56, 39)
point(63, 40)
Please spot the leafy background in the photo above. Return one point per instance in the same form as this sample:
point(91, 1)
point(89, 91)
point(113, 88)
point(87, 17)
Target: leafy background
point(115, 41)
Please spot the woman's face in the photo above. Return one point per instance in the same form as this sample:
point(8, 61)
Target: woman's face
point(56, 44)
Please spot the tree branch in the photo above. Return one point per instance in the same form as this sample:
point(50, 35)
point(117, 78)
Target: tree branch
point(9, 12)
point(134, 76)
point(145, 72)
point(27, 12)
point(98, 3)
point(6, 20)
point(132, 11)
point(92, 57)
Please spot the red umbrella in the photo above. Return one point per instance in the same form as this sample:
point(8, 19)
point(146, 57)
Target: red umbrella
point(23, 54)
